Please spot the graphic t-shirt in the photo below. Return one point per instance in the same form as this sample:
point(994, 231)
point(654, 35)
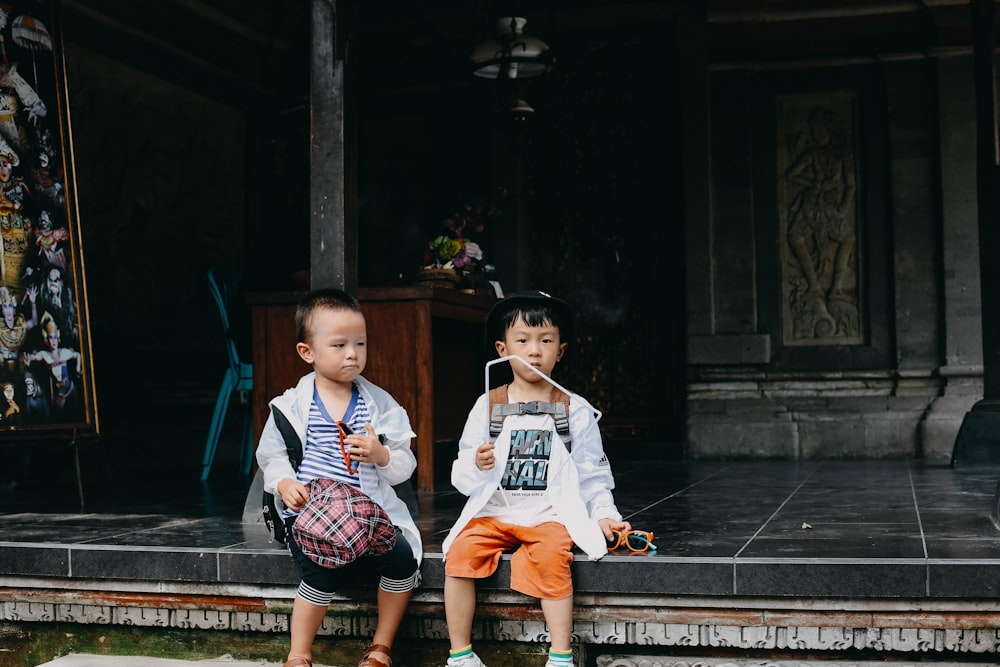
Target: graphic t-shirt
point(522, 496)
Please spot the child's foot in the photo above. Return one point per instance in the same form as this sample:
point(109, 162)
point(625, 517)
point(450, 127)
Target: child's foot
point(560, 658)
point(298, 662)
point(467, 660)
point(380, 651)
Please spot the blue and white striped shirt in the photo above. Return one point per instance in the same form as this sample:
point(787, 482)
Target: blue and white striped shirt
point(323, 458)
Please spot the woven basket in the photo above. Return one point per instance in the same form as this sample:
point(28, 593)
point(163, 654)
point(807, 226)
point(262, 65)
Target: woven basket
point(446, 278)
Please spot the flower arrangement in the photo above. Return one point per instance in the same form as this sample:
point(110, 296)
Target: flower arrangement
point(456, 247)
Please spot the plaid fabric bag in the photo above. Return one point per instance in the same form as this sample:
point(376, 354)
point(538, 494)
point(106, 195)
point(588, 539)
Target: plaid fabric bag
point(340, 523)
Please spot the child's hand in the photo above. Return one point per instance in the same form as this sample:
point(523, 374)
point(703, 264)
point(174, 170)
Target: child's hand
point(608, 525)
point(484, 456)
point(366, 448)
point(294, 494)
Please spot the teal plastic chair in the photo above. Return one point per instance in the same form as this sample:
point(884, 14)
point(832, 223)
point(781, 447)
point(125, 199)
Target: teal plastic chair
point(223, 284)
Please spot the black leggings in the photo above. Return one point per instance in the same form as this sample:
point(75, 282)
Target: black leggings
point(395, 570)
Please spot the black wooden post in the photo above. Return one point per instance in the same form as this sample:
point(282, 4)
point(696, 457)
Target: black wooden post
point(332, 251)
point(978, 439)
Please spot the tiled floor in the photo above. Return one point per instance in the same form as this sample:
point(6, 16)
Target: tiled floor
point(895, 529)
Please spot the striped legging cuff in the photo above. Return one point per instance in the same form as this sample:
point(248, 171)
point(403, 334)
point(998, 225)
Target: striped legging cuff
point(398, 585)
point(313, 596)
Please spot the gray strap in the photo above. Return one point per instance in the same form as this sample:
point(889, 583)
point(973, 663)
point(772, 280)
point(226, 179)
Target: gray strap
point(558, 411)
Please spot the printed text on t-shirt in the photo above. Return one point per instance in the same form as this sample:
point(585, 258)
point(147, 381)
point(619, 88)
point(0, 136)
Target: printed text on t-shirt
point(528, 463)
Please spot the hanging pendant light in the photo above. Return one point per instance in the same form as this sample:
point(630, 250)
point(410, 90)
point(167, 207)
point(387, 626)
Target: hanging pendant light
point(513, 54)
point(520, 111)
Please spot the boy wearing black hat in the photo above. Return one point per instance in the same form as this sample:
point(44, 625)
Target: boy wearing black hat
point(529, 492)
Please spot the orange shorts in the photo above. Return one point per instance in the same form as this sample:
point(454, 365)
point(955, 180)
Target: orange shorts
point(539, 566)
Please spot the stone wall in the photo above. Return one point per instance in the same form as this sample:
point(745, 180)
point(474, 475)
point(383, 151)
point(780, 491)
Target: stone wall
point(842, 317)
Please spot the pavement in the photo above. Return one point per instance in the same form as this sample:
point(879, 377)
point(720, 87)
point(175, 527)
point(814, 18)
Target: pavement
point(89, 660)
point(82, 660)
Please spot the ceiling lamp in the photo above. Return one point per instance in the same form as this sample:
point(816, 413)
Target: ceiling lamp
point(512, 55)
point(520, 111)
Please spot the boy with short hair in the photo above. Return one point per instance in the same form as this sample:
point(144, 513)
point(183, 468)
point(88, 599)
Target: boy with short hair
point(530, 494)
point(332, 339)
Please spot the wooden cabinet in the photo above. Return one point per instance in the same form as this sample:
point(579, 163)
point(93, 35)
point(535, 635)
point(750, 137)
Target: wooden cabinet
point(425, 347)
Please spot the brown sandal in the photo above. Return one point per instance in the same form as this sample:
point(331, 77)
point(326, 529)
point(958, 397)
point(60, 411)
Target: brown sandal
point(368, 661)
point(298, 662)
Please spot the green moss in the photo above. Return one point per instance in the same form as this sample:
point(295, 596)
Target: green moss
point(31, 644)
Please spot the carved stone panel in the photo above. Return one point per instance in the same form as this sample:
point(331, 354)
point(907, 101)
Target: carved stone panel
point(819, 223)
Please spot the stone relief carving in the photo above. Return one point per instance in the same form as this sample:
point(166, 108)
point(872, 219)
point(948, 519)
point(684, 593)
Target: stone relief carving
point(523, 631)
point(201, 619)
point(672, 661)
point(259, 622)
point(817, 200)
point(82, 613)
point(591, 633)
point(141, 616)
point(828, 639)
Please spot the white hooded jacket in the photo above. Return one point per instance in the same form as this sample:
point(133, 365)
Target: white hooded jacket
point(579, 483)
point(389, 419)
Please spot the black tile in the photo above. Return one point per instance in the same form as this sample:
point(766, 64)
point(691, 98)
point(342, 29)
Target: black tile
point(952, 524)
point(191, 534)
point(83, 528)
point(36, 560)
point(709, 545)
point(659, 576)
point(144, 564)
point(863, 545)
point(819, 578)
point(954, 499)
point(275, 568)
point(963, 548)
point(825, 529)
point(968, 579)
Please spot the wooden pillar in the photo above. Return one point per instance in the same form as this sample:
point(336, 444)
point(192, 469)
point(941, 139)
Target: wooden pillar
point(978, 440)
point(332, 250)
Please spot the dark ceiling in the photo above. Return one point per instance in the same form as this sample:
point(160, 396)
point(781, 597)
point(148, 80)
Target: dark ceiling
point(249, 44)
point(778, 30)
point(258, 42)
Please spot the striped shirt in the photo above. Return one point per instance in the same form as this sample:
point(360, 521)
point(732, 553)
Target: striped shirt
point(323, 458)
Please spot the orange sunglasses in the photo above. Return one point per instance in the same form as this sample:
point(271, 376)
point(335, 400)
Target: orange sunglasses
point(345, 430)
point(634, 540)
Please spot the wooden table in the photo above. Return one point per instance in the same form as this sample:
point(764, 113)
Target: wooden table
point(425, 347)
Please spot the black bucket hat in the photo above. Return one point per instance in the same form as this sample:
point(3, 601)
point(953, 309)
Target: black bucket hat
point(562, 315)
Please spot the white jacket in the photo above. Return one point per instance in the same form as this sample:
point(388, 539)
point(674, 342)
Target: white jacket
point(389, 419)
point(579, 483)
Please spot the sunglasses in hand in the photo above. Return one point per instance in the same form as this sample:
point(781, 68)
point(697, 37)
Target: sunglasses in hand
point(633, 540)
point(346, 430)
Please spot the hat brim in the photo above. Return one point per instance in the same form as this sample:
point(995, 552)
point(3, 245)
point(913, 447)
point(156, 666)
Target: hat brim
point(523, 300)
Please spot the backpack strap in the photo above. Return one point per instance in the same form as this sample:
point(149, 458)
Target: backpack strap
point(560, 400)
point(292, 443)
point(557, 406)
point(498, 399)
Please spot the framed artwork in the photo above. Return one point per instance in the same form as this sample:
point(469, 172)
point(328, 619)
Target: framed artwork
point(46, 378)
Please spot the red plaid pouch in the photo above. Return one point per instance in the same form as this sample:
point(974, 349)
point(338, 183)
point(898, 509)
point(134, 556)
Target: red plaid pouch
point(340, 523)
